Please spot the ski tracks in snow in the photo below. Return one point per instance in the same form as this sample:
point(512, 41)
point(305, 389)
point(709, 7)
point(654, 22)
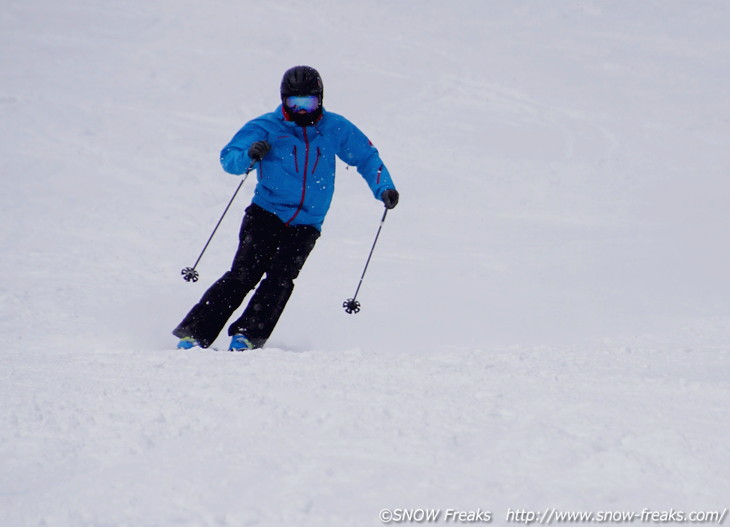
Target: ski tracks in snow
point(352, 432)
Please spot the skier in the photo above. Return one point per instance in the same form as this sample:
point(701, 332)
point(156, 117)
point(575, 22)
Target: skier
point(294, 148)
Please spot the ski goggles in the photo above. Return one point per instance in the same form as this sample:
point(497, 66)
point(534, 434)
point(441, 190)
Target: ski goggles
point(296, 103)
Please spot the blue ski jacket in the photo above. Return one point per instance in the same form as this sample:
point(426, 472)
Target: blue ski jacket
point(296, 178)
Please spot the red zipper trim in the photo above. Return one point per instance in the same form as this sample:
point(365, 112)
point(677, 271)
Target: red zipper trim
point(316, 161)
point(304, 179)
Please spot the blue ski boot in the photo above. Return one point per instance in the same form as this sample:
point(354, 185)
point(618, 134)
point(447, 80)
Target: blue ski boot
point(186, 343)
point(239, 342)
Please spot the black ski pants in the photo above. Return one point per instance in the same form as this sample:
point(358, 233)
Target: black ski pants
point(266, 246)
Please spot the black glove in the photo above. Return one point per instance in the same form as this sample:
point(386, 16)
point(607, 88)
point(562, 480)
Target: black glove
point(390, 198)
point(258, 150)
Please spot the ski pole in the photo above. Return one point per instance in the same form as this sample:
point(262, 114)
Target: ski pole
point(351, 305)
point(189, 273)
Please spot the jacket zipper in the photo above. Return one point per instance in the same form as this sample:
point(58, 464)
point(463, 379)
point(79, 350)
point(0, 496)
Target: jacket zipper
point(316, 160)
point(304, 178)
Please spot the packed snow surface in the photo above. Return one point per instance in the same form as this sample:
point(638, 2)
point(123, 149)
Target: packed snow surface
point(545, 322)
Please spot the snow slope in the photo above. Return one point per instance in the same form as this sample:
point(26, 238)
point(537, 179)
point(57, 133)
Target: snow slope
point(545, 323)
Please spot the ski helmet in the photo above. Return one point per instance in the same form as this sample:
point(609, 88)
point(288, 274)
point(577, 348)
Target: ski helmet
point(302, 80)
